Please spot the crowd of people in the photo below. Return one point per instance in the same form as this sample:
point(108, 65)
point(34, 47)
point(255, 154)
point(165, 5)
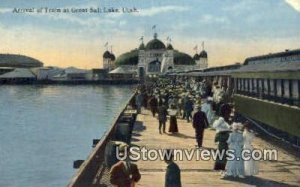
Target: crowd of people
point(204, 105)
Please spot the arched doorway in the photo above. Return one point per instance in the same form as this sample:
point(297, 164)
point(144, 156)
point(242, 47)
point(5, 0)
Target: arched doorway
point(154, 66)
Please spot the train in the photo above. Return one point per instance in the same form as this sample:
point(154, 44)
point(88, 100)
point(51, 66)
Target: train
point(263, 88)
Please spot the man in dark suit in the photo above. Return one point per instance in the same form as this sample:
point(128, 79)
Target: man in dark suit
point(153, 103)
point(124, 173)
point(162, 118)
point(200, 122)
point(188, 108)
point(172, 178)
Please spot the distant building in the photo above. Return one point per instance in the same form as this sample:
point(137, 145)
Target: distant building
point(72, 73)
point(19, 61)
point(99, 74)
point(109, 60)
point(201, 59)
point(18, 75)
point(155, 58)
point(122, 73)
point(47, 73)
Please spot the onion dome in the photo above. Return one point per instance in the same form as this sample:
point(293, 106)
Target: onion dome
point(196, 57)
point(183, 59)
point(155, 44)
point(203, 54)
point(129, 58)
point(142, 46)
point(170, 47)
point(106, 54)
point(112, 57)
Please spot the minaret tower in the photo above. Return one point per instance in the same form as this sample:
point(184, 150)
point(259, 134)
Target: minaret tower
point(203, 62)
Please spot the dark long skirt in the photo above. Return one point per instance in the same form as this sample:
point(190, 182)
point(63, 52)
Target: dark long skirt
point(173, 124)
point(222, 138)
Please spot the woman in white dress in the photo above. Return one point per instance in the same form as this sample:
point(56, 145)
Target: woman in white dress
point(235, 166)
point(251, 166)
point(207, 109)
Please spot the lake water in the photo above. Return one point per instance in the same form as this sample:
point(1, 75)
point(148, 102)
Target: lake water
point(43, 129)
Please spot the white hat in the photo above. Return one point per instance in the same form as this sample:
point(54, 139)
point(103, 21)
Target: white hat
point(237, 126)
point(221, 125)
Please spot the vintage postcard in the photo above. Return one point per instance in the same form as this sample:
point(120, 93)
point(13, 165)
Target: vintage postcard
point(174, 93)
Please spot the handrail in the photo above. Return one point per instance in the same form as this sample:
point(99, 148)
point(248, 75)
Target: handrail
point(88, 170)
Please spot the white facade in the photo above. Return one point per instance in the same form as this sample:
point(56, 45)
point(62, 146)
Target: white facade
point(202, 63)
point(156, 61)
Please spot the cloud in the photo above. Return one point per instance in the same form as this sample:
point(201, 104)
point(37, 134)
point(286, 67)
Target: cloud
point(5, 10)
point(159, 10)
point(213, 19)
point(294, 3)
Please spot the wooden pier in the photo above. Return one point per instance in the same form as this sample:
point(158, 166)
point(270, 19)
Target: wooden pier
point(283, 172)
point(94, 173)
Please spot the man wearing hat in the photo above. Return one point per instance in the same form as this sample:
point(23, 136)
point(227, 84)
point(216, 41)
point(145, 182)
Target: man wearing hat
point(200, 123)
point(172, 177)
point(188, 108)
point(124, 173)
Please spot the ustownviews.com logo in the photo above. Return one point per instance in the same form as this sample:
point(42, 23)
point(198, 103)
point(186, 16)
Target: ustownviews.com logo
point(142, 153)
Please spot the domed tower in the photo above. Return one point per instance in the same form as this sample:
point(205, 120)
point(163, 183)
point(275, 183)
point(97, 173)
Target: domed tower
point(203, 63)
point(170, 47)
point(109, 60)
point(112, 61)
point(106, 59)
point(197, 60)
point(168, 59)
point(151, 56)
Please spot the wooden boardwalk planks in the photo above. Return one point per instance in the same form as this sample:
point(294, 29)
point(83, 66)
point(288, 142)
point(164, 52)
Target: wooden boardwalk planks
point(284, 172)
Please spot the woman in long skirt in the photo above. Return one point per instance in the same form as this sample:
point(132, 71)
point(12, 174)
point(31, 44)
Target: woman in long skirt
point(222, 135)
point(251, 166)
point(235, 166)
point(173, 128)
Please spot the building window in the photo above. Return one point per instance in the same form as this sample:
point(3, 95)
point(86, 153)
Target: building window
point(247, 85)
point(272, 87)
point(278, 88)
point(260, 88)
point(295, 89)
point(242, 84)
point(255, 86)
point(250, 85)
point(294, 92)
point(286, 88)
point(266, 86)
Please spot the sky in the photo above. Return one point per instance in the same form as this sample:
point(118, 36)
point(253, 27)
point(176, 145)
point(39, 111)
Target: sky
point(231, 29)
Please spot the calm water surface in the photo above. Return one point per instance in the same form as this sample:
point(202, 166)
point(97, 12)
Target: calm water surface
point(43, 129)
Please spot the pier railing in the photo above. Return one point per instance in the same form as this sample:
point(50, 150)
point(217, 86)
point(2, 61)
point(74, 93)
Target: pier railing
point(88, 170)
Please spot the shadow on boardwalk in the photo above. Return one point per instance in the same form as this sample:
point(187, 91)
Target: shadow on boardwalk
point(180, 135)
point(139, 127)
